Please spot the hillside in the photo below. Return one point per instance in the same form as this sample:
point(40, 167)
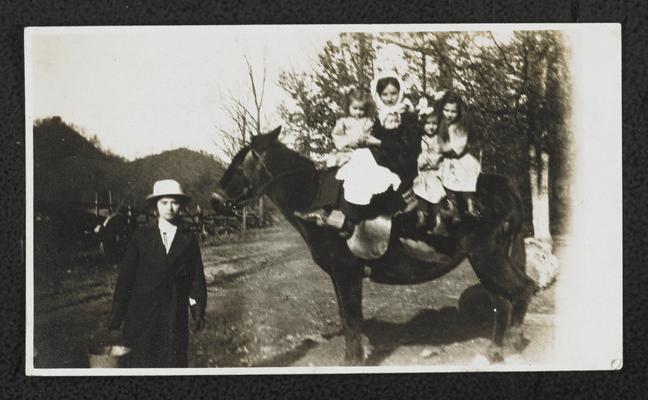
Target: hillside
point(69, 168)
point(197, 172)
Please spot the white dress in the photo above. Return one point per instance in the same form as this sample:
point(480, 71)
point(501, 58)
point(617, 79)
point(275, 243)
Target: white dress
point(348, 131)
point(427, 184)
point(363, 178)
point(347, 135)
point(460, 174)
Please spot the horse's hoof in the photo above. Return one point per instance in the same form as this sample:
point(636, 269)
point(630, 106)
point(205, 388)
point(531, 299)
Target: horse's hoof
point(520, 342)
point(352, 362)
point(356, 359)
point(516, 338)
point(367, 349)
point(495, 354)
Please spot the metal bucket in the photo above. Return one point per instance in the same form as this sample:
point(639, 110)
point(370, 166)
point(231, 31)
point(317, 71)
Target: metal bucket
point(107, 356)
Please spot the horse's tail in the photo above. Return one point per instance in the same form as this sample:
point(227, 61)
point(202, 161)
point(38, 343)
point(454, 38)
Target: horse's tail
point(509, 208)
point(517, 247)
point(517, 251)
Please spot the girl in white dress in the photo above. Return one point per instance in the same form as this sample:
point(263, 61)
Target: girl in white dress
point(353, 131)
point(427, 185)
point(459, 169)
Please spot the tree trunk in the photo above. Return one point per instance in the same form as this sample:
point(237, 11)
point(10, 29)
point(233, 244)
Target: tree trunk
point(424, 73)
point(445, 67)
point(539, 179)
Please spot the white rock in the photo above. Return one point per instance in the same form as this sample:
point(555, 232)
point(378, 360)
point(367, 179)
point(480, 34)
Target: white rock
point(427, 353)
point(480, 360)
point(514, 359)
point(542, 265)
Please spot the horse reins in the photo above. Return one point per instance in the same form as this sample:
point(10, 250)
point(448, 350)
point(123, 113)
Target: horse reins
point(272, 177)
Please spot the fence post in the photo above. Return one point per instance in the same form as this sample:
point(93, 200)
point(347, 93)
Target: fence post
point(244, 222)
point(261, 216)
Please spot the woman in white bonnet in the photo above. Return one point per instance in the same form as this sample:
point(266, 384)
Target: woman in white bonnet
point(390, 165)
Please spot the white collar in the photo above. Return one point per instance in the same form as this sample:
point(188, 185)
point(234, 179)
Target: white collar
point(166, 226)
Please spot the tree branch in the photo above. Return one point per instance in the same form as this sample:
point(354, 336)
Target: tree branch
point(504, 58)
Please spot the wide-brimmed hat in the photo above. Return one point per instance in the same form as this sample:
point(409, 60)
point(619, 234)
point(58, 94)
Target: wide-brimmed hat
point(167, 188)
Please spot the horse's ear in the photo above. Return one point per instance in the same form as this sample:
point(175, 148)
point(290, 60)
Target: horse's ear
point(275, 133)
point(261, 142)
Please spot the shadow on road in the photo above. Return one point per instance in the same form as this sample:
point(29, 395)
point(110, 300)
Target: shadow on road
point(288, 358)
point(428, 328)
point(444, 326)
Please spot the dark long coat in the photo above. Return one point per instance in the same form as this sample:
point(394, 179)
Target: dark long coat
point(152, 297)
point(400, 148)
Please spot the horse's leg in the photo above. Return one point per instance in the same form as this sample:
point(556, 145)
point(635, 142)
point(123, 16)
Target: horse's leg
point(501, 318)
point(348, 290)
point(521, 299)
point(516, 334)
point(510, 289)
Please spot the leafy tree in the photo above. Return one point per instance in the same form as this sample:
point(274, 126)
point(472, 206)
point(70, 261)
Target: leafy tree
point(516, 91)
point(317, 97)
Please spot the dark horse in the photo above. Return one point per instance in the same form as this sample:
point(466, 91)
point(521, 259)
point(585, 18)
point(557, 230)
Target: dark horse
point(494, 245)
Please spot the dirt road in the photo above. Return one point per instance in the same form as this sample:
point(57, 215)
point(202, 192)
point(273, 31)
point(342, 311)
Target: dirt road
point(270, 305)
point(285, 313)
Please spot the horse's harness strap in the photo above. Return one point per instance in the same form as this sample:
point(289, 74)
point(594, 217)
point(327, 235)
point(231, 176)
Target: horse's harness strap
point(272, 178)
point(261, 162)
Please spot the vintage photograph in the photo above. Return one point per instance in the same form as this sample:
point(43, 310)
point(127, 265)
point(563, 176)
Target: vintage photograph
point(323, 199)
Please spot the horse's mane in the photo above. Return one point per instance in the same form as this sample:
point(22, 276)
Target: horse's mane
point(287, 158)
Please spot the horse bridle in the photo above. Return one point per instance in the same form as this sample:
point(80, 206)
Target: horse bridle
point(272, 178)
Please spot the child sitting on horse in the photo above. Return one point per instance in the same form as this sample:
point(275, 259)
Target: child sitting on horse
point(388, 166)
point(352, 131)
point(428, 186)
point(459, 169)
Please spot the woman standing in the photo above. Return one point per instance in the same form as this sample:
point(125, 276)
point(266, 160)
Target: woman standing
point(160, 274)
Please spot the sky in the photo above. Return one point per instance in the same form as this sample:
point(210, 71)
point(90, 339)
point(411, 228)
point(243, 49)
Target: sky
point(146, 90)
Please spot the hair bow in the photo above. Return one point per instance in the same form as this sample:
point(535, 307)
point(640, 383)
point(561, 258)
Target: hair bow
point(423, 107)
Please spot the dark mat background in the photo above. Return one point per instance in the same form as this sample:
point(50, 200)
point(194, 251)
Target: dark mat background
point(631, 382)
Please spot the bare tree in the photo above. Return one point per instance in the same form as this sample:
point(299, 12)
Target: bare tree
point(245, 120)
point(257, 92)
point(237, 135)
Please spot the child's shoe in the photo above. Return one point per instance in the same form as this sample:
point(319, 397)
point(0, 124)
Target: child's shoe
point(318, 217)
point(348, 227)
point(451, 208)
point(471, 207)
point(439, 225)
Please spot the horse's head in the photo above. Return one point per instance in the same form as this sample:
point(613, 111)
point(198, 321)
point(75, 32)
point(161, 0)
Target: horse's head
point(249, 173)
